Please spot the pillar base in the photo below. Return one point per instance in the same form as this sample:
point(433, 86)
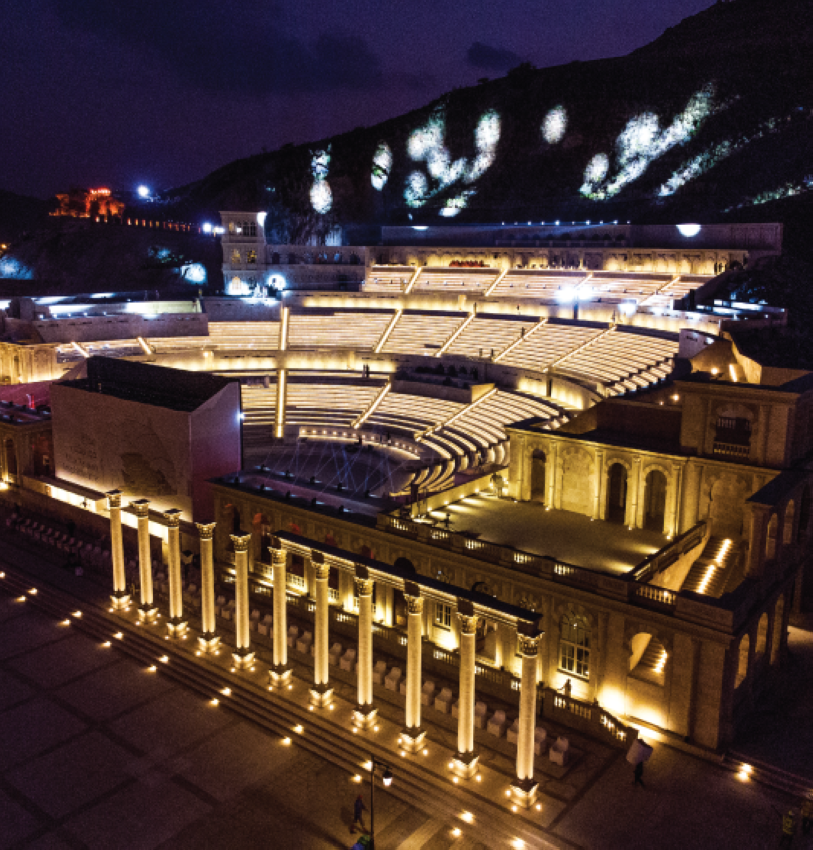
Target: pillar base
point(523, 792)
point(412, 739)
point(209, 642)
point(321, 696)
point(120, 599)
point(147, 613)
point(243, 658)
point(465, 765)
point(176, 626)
point(364, 716)
point(280, 674)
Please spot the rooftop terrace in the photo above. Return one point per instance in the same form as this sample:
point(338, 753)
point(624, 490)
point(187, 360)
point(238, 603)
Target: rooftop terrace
point(566, 536)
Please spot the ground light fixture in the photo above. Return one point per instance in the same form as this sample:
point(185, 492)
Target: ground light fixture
point(386, 778)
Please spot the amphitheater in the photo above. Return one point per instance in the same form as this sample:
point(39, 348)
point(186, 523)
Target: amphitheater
point(555, 441)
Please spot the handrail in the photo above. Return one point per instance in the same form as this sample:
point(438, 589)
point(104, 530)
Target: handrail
point(665, 557)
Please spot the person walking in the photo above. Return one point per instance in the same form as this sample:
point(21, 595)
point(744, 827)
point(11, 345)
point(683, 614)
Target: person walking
point(788, 829)
point(638, 773)
point(358, 814)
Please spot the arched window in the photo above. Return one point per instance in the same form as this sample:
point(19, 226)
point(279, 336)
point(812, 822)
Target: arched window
point(742, 665)
point(574, 646)
point(787, 534)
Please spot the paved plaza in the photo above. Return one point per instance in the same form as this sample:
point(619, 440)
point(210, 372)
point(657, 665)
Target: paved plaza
point(97, 752)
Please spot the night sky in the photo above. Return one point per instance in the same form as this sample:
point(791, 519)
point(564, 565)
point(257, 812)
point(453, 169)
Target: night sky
point(161, 92)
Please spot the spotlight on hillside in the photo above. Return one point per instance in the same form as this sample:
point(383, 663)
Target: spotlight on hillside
point(207, 227)
point(143, 192)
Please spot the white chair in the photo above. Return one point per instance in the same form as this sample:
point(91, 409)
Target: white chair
point(443, 701)
point(254, 620)
point(348, 661)
point(334, 654)
point(512, 735)
point(540, 740)
point(392, 679)
point(379, 670)
point(303, 644)
point(227, 612)
point(402, 688)
point(559, 753)
point(427, 692)
point(264, 627)
point(496, 724)
point(293, 635)
point(189, 593)
point(480, 712)
point(220, 602)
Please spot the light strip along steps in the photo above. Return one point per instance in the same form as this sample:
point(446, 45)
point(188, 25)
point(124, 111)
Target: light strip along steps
point(386, 335)
point(421, 783)
point(511, 346)
point(373, 405)
point(463, 325)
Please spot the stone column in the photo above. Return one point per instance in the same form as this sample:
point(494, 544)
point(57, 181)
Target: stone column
point(551, 471)
point(756, 540)
point(147, 610)
point(321, 692)
point(465, 760)
point(412, 736)
point(364, 714)
point(120, 596)
point(209, 640)
point(280, 672)
point(243, 654)
point(673, 506)
point(524, 787)
point(176, 624)
point(598, 501)
point(637, 494)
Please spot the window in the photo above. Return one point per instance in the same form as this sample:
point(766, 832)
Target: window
point(231, 227)
point(252, 257)
point(443, 615)
point(574, 646)
point(235, 257)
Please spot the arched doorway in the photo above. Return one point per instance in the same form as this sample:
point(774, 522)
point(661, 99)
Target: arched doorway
point(742, 663)
point(787, 534)
point(617, 493)
point(776, 637)
point(655, 501)
point(761, 644)
point(804, 514)
point(770, 540)
point(11, 457)
point(538, 475)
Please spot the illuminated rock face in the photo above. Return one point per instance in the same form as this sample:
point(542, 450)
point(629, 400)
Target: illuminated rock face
point(321, 194)
point(640, 143)
point(427, 144)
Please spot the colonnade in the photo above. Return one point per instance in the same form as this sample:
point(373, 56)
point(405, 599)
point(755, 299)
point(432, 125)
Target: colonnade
point(465, 761)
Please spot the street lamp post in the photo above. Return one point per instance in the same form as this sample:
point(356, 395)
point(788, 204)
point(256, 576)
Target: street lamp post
point(387, 780)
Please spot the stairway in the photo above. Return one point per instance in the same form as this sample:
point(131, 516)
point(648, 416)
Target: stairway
point(710, 571)
point(650, 667)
